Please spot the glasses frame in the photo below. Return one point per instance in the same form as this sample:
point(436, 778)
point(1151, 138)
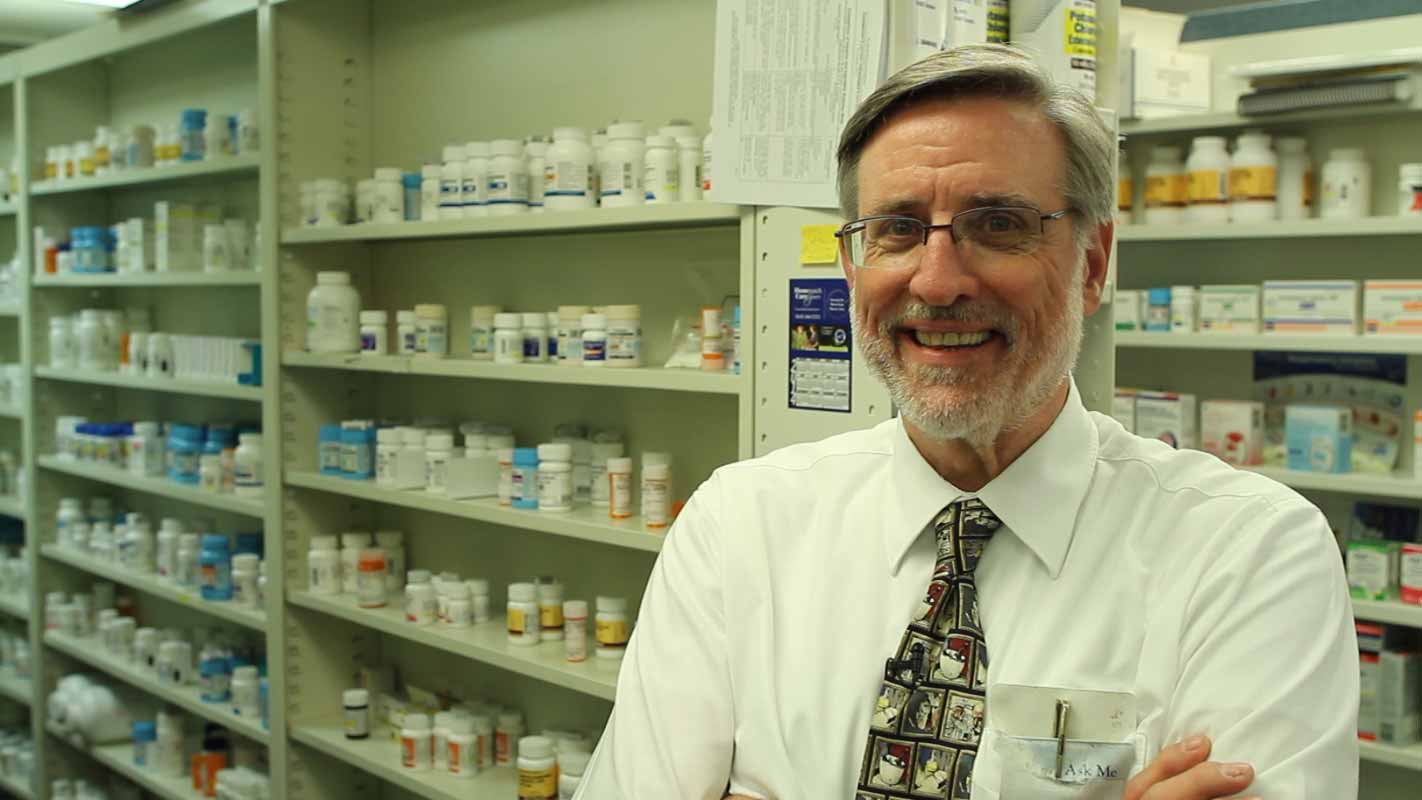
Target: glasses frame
point(855, 226)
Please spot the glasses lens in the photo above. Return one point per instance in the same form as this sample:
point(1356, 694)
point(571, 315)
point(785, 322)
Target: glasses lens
point(1000, 228)
point(886, 242)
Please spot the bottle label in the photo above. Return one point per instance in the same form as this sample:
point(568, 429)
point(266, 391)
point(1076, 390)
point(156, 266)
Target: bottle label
point(503, 750)
point(532, 346)
point(566, 179)
point(1163, 191)
point(1308, 189)
point(480, 340)
point(516, 621)
point(550, 616)
point(594, 350)
point(618, 178)
point(508, 188)
point(1253, 183)
point(1125, 194)
point(449, 193)
point(537, 784)
point(1209, 187)
point(612, 633)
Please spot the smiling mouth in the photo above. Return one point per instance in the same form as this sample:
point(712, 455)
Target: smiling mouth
point(947, 340)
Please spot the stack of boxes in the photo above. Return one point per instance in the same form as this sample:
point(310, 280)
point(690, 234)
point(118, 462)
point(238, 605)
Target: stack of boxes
point(1390, 683)
point(1384, 553)
point(1319, 307)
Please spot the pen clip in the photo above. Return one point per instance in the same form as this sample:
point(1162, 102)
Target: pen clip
point(1060, 732)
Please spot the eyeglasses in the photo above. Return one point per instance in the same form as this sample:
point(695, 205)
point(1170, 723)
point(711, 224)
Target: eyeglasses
point(888, 241)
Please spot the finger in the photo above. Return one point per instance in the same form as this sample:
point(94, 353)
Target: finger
point(1203, 782)
point(1172, 761)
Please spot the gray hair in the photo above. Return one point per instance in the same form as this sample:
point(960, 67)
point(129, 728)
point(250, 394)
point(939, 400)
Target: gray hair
point(994, 70)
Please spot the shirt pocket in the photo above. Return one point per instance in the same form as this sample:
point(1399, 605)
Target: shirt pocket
point(1002, 770)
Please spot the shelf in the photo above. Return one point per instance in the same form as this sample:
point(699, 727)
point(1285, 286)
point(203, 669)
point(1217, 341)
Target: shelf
point(150, 279)
point(201, 388)
point(1229, 120)
point(11, 506)
point(13, 412)
point(1394, 612)
point(1282, 229)
point(119, 758)
point(672, 215)
point(151, 175)
point(9, 209)
point(589, 523)
point(486, 642)
point(150, 584)
point(16, 788)
point(14, 687)
point(9, 310)
point(159, 486)
point(1270, 341)
point(1409, 757)
point(671, 380)
point(91, 652)
point(15, 605)
point(1371, 485)
point(379, 755)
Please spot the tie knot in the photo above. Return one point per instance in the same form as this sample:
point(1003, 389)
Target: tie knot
point(963, 530)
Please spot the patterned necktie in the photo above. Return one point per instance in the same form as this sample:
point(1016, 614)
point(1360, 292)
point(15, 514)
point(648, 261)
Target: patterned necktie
point(929, 715)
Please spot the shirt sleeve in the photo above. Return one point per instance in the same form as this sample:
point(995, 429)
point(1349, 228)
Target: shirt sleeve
point(671, 732)
point(1269, 656)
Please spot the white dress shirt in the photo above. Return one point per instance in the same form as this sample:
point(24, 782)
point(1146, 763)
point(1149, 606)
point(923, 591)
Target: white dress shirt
point(1215, 596)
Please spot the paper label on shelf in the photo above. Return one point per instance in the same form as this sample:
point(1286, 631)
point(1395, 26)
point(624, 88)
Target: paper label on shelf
point(821, 351)
point(818, 244)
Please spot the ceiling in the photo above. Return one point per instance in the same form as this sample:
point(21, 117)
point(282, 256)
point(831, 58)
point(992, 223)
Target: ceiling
point(24, 22)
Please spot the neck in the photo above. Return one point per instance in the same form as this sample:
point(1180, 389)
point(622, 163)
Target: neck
point(970, 465)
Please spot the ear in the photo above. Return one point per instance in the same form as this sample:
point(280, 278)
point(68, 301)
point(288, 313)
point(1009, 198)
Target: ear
point(1098, 260)
point(844, 264)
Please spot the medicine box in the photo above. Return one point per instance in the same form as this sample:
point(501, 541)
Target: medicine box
point(1399, 693)
point(1319, 438)
point(476, 476)
point(1126, 309)
point(1316, 307)
point(1123, 408)
point(1164, 83)
point(1409, 572)
point(1233, 430)
point(1392, 307)
point(1229, 309)
point(1373, 569)
point(1168, 417)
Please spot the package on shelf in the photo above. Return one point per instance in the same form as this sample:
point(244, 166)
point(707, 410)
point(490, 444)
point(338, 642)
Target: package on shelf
point(1233, 430)
point(1409, 586)
point(1373, 568)
point(177, 229)
point(1392, 307)
point(1126, 310)
point(1313, 307)
point(1167, 416)
point(1319, 438)
point(1390, 684)
point(134, 245)
point(1229, 309)
point(221, 359)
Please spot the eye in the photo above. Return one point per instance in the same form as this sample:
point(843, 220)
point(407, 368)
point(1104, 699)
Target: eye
point(901, 228)
point(1001, 222)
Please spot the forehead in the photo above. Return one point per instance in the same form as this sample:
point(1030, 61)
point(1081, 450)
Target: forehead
point(943, 154)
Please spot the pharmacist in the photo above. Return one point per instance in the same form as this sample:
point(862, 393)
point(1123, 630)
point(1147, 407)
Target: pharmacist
point(916, 610)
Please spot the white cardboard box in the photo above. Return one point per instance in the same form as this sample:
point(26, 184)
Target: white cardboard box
point(1123, 408)
point(1126, 308)
point(1314, 307)
point(1157, 82)
point(1233, 430)
point(1392, 308)
point(1229, 309)
point(1168, 417)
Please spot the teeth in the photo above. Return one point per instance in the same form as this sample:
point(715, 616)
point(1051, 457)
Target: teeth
point(934, 339)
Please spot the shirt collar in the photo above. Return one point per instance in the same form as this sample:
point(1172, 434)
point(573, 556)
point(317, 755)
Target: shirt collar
point(1037, 497)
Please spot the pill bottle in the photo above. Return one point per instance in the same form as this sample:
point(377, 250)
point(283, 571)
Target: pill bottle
point(613, 630)
point(525, 478)
point(389, 201)
point(451, 182)
point(1157, 317)
point(332, 315)
point(620, 165)
point(430, 193)
point(1409, 190)
point(537, 769)
point(535, 337)
point(1184, 305)
point(175, 663)
point(419, 598)
point(1166, 187)
point(656, 495)
point(569, 335)
point(713, 345)
point(1208, 168)
point(601, 452)
point(1295, 183)
point(481, 332)
point(406, 332)
point(598, 143)
point(459, 606)
point(247, 466)
point(1125, 186)
point(463, 748)
point(476, 179)
point(374, 333)
point(356, 703)
point(439, 739)
point(246, 701)
point(479, 609)
point(186, 562)
point(166, 547)
point(688, 150)
point(431, 330)
point(370, 579)
point(145, 734)
point(215, 563)
point(328, 457)
point(506, 484)
point(706, 166)
point(387, 453)
point(550, 610)
point(352, 544)
point(535, 153)
point(357, 452)
point(439, 448)
point(365, 200)
point(392, 544)
point(660, 171)
point(506, 735)
point(1253, 179)
point(508, 338)
point(523, 614)
point(568, 171)
point(619, 487)
point(624, 336)
point(1347, 185)
point(245, 567)
point(214, 674)
point(575, 630)
point(416, 743)
point(555, 477)
point(594, 338)
point(323, 566)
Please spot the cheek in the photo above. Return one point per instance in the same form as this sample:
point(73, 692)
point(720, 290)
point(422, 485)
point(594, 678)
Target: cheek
point(877, 293)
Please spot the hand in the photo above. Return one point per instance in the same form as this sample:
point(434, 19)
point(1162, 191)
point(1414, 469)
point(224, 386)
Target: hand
point(1181, 772)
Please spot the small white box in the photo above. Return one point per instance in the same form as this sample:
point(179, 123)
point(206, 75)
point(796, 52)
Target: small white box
point(1316, 307)
point(1233, 430)
point(175, 230)
point(1392, 308)
point(1123, 408)
point(1168, 417)
point(1229, 309)
point(472, 477)
point(1126, 308)
point(1164, 83)
point(409, 470)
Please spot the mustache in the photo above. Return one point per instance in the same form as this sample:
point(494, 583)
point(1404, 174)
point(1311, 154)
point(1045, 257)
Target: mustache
point(979, 314)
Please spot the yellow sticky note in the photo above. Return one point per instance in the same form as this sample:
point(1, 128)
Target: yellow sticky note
point(818, 245)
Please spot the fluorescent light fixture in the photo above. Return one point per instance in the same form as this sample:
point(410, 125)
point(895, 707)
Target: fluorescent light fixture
point(104, 3)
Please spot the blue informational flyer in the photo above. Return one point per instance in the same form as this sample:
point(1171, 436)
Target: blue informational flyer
point(821, 350)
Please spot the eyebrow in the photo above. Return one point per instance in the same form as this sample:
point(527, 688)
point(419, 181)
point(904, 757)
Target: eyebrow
point(911, 205)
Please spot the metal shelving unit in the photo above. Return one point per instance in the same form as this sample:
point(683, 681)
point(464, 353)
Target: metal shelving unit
point(14, 687)
point(16, 788)
point(379, 755)
point(119, 758)
point(152, 280)
point(15, 605)
point(1393, 612)
point(1405, 345)
point(197, 171)
point(161, 487)
point(171, 385)
point(1368, 485)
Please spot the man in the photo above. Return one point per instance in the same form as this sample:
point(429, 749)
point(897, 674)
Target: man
point(1186, 626)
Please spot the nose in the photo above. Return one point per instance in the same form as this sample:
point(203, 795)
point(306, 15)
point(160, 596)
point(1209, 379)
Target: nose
point(944, 274)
